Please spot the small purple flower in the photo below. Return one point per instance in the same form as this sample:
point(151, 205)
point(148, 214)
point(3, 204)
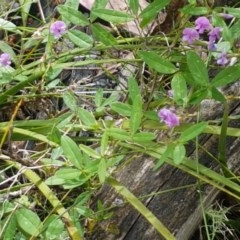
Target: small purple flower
point(5, 59)
point(170, 93)
point(212, 46)
point(222, 60)
point(58, 28)
point(190, 35)
point(168, 117)
point(202, 24)
point(225, 15)
point(214, 34)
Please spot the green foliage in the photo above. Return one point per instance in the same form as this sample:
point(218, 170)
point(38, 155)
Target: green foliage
point(112, 16)
point(151, 11)
point(134, 5)
point(121, 108)
point(103, 35)
point(72, 15)
point(25, 7)
point(179, 87)
point(80, 39)
point(197, 68)
point(8, 26)
point(158, 63)
point(192, 132)
point(136, 108)
point(179, 153)
point(226, 76)
point(192, 10)
point(54, 227)
point(28, 222)
point(71, 151)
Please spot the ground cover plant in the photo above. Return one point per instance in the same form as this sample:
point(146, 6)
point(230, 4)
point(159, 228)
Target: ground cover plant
point(80, 93)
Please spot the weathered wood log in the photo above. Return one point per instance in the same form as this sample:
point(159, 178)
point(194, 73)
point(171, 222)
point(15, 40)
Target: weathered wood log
point(170, 194)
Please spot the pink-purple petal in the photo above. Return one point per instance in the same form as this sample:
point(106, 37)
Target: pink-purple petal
point(202, 24)
point(5, 59)
point(168, 117)
point(58, 28)
point(190, 35)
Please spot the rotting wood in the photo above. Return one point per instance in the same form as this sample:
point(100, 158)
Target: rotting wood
point(177, 201)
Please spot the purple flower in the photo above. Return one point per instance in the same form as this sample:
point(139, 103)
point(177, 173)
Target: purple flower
point(168, 117)
point(170, 93)
point(222, 60)
point(58, 28)
point(212, 46)
point(202, 24)
point(190, 35)
point(214, 34)
point(225, 15)
point(5, 59)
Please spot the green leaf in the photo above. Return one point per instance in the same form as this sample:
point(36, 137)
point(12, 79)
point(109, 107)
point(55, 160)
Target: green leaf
point(55, 227)
point(103, 35)
point(80, 39)
point(192, 132)
point(83, 198)
point(117, 133)
point(141, 208)
point(121, 108)
point(71, 151)
point(28, 222)
point(8, 26)
point(72, 15)
point(143, 137)
point(6, 75)
point(226, 76)
point(97, 4)
point(179, 153)
point(156, 62)
point(76, 182)
point(107, 101)
point(113, 98)
point(166, 154)
point(112, 15)
point(86, 117)
point(134, 6)
point(226, 31)
point(72, 3)
point(179, 87)
point(52, 73)
point(217, 95)
point(54, 181)
point(136, 114)
point(104, 143)
point(11, 227)
point(133, 88)
point(25, 7)
point(198, 96)
point(194, 11)
point(67, 173)
point(151, 11)
point(89, 151)
point(6, 207)
point(233, 11)
point(136, 110)
point(98, 97)
point(70, 100)
point(102, 170)
point(197, 68)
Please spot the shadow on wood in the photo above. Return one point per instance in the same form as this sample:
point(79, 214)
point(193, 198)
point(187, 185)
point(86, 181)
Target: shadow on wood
point(172, 195)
